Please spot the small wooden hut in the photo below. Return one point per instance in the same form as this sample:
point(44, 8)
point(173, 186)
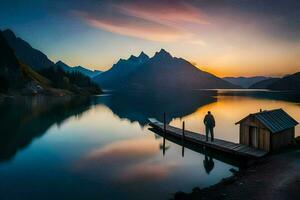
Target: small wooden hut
point(267, 130)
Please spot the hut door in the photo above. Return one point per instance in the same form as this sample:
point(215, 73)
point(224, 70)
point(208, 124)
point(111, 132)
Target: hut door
point(253, 136)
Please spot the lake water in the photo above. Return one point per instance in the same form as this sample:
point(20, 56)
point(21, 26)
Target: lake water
point(101, 148)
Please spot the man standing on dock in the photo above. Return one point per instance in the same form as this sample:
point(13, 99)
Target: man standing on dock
point(209, 122)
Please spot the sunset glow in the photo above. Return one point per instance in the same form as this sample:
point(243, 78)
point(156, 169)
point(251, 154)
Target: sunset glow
point(226, 38)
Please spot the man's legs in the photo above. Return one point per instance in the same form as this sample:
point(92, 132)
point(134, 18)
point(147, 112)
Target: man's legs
point(206, 132)
point(212, 133)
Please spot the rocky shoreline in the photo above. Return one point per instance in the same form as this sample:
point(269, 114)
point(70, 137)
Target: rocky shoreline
point(274, 177)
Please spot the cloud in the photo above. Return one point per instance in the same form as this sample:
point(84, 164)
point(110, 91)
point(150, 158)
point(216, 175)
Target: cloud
point(169, 14)
point(154, 32)
point(157, 21)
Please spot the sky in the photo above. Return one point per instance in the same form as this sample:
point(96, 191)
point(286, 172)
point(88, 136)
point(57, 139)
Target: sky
point(224, 37)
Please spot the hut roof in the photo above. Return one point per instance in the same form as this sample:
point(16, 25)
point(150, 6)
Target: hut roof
point(275, 120)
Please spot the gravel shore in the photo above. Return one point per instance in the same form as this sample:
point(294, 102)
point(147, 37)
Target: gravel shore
point(276, 177)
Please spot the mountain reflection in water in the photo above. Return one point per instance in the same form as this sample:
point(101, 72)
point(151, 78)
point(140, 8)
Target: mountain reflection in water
point(139, 106)
point(100, 147)
point(24, 119)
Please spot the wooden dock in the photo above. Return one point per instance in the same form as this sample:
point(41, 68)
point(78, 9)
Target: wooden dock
point(199, 139)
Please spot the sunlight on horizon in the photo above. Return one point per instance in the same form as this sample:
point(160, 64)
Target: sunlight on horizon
point(228, 110)
point(229, 39)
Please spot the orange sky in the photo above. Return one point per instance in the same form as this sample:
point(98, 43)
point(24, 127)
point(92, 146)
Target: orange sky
point(227, 38)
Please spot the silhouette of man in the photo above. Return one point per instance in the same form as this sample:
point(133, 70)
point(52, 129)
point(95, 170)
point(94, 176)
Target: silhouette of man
point(209, 122)
point(208, 162)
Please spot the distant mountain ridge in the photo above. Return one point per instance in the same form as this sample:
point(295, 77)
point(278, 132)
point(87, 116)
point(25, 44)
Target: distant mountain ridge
point(18, 78)
point(26, 53)
point(162, 71)
point(245, 82)
point(36, 59)
point(83, 70)
point(286, 83)
point(289, 82)
point(264, 84)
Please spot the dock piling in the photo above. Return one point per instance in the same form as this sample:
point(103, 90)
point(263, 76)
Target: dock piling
point(200, 139)
point(183, 138)
point(165, 123)
point(164, 146)
point(183, 131)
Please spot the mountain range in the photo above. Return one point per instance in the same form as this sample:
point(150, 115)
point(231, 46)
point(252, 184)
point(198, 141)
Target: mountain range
point(19, 78)
point(80, 69)
point(245, 82)
point(25, 53)
point(264, 83)
point(24, 68)
point(162, 71)
point(288, 82)
point(10, 68)
point(36, 59)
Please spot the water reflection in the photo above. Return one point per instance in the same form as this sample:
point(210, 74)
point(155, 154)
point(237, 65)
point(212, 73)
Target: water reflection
point(101, 148)
point(229, 109)
point(209, 154)
point(164, 147)
point(182, 151)
point(288, 96)
point(127, 160)
point(139, 106)
point(208, 162)
point(120, 151)
point(24, 119)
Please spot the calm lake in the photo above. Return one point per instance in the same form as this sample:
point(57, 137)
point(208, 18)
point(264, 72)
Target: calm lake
point(101, 148)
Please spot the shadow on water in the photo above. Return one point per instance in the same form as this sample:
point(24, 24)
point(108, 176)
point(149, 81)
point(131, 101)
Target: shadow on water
point(139, 106)
point(24, 119)
point(208, 162)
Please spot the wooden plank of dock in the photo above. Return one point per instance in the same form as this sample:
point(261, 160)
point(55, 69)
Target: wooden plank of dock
point(218, 144)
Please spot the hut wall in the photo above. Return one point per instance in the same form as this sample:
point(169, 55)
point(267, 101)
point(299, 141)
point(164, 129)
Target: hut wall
point(244, 134)
point(283, 138)
point(264, 139)
point(263, 133)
